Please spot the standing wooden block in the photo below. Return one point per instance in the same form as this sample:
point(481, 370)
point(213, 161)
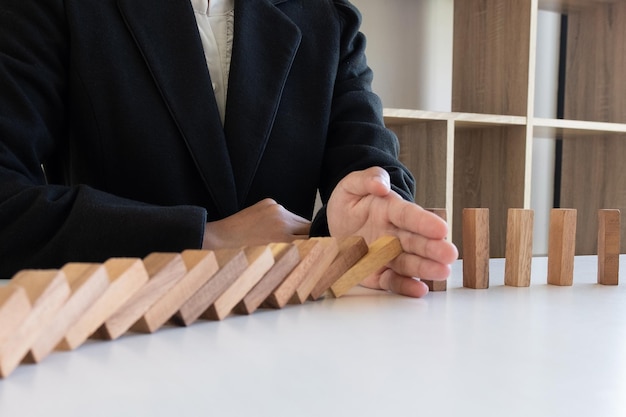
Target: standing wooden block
point(382, 251)
point(164, 271)
point(609, 230)
point(286, 258)
point(561, 247)
point(14, 310)
point(476, 248)
point(231, 263)
point(201, 265)
point(126, 276)
point(260, 260)
point(351, 249)
point(320, 263)
point(309, 250)
point(88, 281)
point(47, 292)
point(438, 285)
point(519, 247)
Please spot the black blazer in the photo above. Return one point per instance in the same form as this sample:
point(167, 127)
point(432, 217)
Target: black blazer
point(110, 138)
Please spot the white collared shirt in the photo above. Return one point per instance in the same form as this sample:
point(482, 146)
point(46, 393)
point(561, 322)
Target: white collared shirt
point(215, 19)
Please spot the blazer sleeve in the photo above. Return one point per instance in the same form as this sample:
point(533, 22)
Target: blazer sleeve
point(45, 225)
point(357, 137)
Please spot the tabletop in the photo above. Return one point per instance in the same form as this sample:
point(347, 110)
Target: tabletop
point(537, 351)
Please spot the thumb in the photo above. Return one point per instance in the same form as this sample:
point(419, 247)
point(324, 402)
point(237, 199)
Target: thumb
point(374, 180)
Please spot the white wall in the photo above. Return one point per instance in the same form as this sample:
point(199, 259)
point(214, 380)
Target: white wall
point(410, 50)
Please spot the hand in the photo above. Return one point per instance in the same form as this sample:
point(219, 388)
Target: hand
point(260, 224)
point(363, 204)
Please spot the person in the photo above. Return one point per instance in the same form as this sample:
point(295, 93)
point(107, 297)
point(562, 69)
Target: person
point(128, 127)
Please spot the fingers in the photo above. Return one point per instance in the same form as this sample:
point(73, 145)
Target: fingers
point(410, 217)
point(373, 180)
point(402, 285)
point(411, 265)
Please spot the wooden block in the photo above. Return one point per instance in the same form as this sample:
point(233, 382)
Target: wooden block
point(201, 265)
point(519, 247)
point(260, 260)
point(439, 285)
point(14, 310)
point(231, 263)
point(286, 258)
point(47, 291)
point(380, 253)
point(476, 248)
point(308, 250)
point(351, 249)
point(88, 281)
point(126, 276)
point(164, 271)
point(329, 250)
point(609, 231)
point(561, 247)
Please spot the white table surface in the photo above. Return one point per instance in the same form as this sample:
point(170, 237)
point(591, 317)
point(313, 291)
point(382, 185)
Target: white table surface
point(537, 351)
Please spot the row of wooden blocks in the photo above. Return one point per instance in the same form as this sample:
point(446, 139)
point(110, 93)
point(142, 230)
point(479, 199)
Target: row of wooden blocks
point(519, 240)
point(46, 310)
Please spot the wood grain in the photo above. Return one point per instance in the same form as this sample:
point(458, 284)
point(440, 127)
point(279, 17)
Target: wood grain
point(14, 310)
point(164, 271)
point(201, 265)
point(47, 292)
point(260, 260)
point(232, 263)
point(519, 247)
point(561, 246)
point(609, 235)
point(380, 253)
point(476, 248)
point(322, 260)
point(286, 258)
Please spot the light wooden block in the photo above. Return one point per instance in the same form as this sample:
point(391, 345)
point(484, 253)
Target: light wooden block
point(322, 260)
point(260, 260)
point(519, 247)
point(88, 281)
point(561, 247)
point(438, 285)
point(286, 258)
point(476, 248)
point(14, 310)
point(351, 249)
point(609, 234)
point(309, 250)
point(382, 251)
point(201, 265)
point(126, 276)
point(47, 292)
point(164, 271)
point(231, 263)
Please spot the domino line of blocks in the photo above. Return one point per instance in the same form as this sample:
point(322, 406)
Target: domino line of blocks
point(46, 310)
point(518, 251)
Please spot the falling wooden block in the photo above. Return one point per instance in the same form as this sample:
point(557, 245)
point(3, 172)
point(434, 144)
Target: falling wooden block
point(309, 251)
point(14, 310)
point(438, 285)
point(609, 230)
point(201, 265)
point(382, 251)
point(164, 271)
point(88, 281)
point(351, 249)
point(286, 258)
point(231, 263)
point(561, 247)
point(126, 276)
point(519, 247)
point(47, 292)
point(476, 248)
point(260, 260)
point(320, 261)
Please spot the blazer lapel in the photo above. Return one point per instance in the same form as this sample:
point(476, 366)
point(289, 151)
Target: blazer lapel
point(264, 46)
point(167, 35)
